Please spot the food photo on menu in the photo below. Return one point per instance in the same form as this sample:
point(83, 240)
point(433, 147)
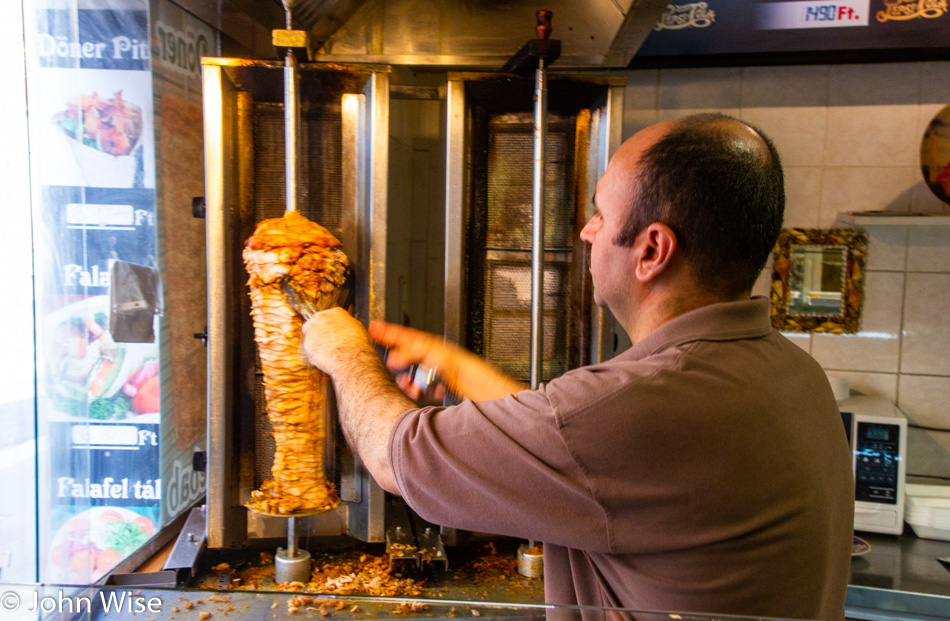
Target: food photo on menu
point(105, 137)
point(92, 541)
point(89, 375)
point(95, 131)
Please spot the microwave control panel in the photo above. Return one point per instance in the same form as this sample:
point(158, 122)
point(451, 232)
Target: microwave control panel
point(876, 448)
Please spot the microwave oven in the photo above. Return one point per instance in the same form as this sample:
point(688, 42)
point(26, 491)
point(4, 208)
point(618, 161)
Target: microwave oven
point(877, 435)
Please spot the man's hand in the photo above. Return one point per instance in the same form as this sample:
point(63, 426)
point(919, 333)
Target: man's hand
point(334, 336)
point(463, 372)
point(408, 346)
point(368, 401)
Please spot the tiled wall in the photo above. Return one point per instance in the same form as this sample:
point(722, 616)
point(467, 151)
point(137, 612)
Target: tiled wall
point(849, 137)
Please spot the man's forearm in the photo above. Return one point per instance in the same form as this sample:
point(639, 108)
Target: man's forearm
point(369, 403)
point(474, 378)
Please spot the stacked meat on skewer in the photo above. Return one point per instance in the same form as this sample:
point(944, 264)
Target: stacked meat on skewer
point(311, 256)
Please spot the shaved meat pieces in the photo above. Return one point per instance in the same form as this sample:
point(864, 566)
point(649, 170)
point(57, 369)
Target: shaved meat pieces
point(291, 245)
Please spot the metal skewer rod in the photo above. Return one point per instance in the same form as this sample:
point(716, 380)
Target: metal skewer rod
point(537, 234)
point(291, 118)
point(292, 547)
point(288, 6)
point(292, 564)
point(291, 122)
point(530, 563)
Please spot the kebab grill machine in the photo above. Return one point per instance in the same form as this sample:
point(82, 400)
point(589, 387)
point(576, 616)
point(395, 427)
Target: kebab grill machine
point(286, 136)
point(523, 151)
point(523, 157)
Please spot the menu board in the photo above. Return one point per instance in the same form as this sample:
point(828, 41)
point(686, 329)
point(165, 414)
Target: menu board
point(722, 27)
point(92, 162)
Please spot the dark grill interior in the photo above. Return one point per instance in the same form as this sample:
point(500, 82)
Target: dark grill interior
point(508, 317)
point(320, 198)
point(319, 169)
point(499, 243)
point(510, 167)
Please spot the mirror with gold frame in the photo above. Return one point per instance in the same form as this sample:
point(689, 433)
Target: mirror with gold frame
point(818, 280)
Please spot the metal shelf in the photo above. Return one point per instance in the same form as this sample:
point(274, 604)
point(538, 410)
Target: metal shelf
point(892, 218)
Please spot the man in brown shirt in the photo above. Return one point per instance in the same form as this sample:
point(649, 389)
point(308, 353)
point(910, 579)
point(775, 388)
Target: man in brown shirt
point(706, 469)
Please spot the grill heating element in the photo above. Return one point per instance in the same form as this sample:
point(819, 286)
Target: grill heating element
point(489, 169)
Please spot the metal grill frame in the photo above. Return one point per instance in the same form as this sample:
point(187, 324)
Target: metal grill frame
point(466, 127)
point(231, 89)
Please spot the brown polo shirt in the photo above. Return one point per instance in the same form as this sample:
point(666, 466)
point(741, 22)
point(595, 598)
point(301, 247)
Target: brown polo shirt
point(706, 469)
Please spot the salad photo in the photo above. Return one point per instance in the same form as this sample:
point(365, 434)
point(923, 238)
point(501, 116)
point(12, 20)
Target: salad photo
point(90, 375)
point(94, 541)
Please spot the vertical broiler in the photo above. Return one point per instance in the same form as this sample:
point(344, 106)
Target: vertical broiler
point(340, 178)
point(337, 176)
point(489, 202)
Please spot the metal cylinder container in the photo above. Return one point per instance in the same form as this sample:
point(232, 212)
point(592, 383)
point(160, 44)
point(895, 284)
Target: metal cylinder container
point(530, 561)
point(291, 568)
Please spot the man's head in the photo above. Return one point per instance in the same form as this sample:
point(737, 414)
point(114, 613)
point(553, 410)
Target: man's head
point(711, 183)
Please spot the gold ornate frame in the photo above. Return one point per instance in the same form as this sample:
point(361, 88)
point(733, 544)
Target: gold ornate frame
point(855, 242)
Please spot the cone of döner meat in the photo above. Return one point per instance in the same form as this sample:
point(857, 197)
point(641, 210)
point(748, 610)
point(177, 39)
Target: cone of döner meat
point(310, 255)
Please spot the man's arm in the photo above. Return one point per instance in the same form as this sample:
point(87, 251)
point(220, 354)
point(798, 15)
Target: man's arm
point(369, 401)
point(463, 372)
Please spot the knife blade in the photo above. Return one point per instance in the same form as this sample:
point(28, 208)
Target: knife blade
point(307, 306)
point(297, 299)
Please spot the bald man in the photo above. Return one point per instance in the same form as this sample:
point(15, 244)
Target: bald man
point(705, 469)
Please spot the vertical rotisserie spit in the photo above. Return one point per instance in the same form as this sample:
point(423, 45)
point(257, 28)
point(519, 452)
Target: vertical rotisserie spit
point(309, 254)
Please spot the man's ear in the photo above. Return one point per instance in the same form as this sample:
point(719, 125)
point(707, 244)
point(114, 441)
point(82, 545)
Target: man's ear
point(656, 247)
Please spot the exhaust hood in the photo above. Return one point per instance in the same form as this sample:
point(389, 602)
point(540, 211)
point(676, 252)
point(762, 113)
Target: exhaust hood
point(474, 33)
point(464, 34)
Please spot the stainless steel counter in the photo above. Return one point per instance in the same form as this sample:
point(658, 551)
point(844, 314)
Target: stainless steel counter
point(900, 578)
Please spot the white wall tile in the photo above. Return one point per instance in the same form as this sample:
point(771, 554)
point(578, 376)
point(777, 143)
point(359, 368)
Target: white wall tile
point(863, 189)
point(935, 83)
point(887, 248)
point(678, 113)
point(876, 347)
point(875, 384)
point(802, 339)
point(883, 135)
point(700, 89)
point(802, 197)
point(928, 249)
point(635, 120)
point(763, 285)
point(923, 200)
point(926, 340)
point(928, 453)
point(849, 136)
point(798, 132)
point(880, 84)
point(640, 91)
point(925, 400)
point(782, 87)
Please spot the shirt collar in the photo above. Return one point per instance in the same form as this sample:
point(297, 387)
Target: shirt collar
point(723, 321)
